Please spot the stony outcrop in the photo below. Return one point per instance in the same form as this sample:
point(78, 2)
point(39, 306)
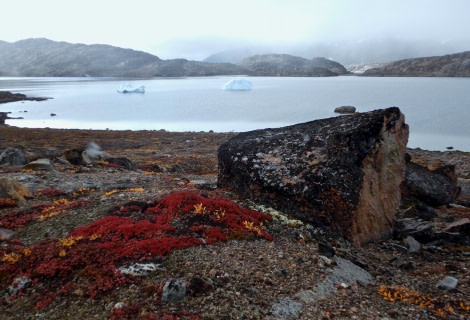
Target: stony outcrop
point(452, 65)
point(343, 172)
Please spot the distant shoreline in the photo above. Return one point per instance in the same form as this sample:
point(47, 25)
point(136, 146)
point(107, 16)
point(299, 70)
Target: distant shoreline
point(7, 96)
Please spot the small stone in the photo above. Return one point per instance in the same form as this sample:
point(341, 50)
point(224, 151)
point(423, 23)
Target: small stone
point(326, 249)
point(325, 260)
point(18, 284)
point(413, 245)
point(173, 291)
point(448, 283)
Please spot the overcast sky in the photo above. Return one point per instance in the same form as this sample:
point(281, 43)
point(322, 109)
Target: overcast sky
point(195, 28)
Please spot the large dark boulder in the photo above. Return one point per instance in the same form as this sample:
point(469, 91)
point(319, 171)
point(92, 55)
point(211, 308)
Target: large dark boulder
point(433, 187)
point(343, 172)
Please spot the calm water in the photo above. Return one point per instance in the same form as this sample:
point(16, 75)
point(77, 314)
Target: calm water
point(437, 109)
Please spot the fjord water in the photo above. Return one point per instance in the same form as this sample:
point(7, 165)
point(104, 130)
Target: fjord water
point(436, 109)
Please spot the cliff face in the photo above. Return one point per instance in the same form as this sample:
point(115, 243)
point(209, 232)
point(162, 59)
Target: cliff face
point(453, 65)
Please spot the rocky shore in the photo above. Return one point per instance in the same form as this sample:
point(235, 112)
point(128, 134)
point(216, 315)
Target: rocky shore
point(281, 269)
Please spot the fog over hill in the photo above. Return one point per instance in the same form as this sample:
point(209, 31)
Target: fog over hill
point(373, 50)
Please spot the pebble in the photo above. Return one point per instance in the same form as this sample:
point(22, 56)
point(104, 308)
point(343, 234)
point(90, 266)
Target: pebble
point(448, 283)
point(286, 309)
point(173, 291)
point(413, 245)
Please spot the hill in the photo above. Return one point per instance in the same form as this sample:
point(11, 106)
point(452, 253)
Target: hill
point(47, 58)
point(452, 65)
point(285, 65)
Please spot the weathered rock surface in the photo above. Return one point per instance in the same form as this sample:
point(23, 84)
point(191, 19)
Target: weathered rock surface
point(343, 172)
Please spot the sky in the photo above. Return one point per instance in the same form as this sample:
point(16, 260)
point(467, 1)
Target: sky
point(194, 29)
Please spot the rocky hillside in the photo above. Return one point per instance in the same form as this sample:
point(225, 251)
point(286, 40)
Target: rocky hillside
point(291, 66)
point(453, 65)
point(47, 58)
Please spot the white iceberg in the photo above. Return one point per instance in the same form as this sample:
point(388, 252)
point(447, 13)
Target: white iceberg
point(238, 85)
point(129, 88)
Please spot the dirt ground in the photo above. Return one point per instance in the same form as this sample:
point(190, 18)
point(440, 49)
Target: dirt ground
point(247, 276)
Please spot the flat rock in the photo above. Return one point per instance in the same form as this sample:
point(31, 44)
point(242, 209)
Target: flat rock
point(341, 172)
point(40, 164)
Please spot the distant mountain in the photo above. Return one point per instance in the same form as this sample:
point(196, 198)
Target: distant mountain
point(231, 56)
point(452, 65)
point(47, 58)
point(285, 65)
point(346, 52)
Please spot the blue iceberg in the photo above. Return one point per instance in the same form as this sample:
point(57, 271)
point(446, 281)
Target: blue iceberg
point(238, 85)
point(129, 88)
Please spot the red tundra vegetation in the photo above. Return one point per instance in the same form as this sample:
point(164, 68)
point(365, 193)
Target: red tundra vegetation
point(88, 259)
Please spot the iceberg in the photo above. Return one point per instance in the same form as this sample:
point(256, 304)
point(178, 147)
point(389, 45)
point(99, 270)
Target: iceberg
point(238, 85)
point(129, 88)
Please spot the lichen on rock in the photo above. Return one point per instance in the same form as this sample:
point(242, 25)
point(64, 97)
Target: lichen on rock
point(343, 172)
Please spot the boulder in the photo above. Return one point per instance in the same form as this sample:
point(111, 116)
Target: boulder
point(174, 291)
point(345, 109)
point(343, 172)
point(435, 188)
point(74, 156)
point(40, 164)
point(120, 162)
point(13, 156)
point(12, 189)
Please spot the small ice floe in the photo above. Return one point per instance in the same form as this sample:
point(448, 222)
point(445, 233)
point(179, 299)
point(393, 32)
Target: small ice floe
point(129, 88)
point(238, 85)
